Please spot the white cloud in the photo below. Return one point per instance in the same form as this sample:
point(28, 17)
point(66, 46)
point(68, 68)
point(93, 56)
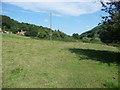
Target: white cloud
point(55, 0)
point(26, 11)
point(47, 0)
point(54, 14)
point(45, 20)
point(60, 8)
point(4, 12)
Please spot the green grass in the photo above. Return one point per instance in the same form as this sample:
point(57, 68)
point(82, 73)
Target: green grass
point(30, 63)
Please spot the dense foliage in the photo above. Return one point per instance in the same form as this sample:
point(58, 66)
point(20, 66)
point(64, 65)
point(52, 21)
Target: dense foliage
point(110, 32)
point(32, 30)
point(107, 32)
point(91, 36)
point(76, 36)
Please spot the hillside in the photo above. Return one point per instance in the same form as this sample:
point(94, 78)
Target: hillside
point(95, 35)
point(31, 63)
point(92, 35)
point(32, 30)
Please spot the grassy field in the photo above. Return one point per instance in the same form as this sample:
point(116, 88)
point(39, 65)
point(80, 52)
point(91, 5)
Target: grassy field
point(30, 63)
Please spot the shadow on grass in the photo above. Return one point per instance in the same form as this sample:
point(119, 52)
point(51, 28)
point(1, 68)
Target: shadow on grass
point(103, 56)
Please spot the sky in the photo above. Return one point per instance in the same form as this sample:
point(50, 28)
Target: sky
point(68, 17)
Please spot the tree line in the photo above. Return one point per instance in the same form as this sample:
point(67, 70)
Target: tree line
point(110, 33)
point(32, 30)
point(107, 31)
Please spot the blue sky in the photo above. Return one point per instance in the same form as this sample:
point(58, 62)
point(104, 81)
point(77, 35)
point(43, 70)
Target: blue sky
point(68, 17)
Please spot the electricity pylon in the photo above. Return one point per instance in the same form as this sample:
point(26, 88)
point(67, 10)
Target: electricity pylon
point(50, 26)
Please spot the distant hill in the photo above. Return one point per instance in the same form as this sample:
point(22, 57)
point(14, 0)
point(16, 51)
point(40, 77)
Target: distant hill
point(40, 32)
point(32, 30)
point(92, 35)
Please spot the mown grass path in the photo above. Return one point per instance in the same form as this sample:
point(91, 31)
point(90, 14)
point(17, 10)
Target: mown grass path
point(30, 63)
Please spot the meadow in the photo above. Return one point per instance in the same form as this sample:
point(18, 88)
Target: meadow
point(31, 63)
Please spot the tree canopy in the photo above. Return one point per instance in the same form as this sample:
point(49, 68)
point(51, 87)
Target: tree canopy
point(32, 30)
point(111, 32)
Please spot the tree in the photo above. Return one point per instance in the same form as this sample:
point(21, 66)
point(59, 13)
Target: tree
point(76, 35)
point(6, 22)
point(32, 30)
point(56, 34)
point(110, 32)
point(41, 35)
